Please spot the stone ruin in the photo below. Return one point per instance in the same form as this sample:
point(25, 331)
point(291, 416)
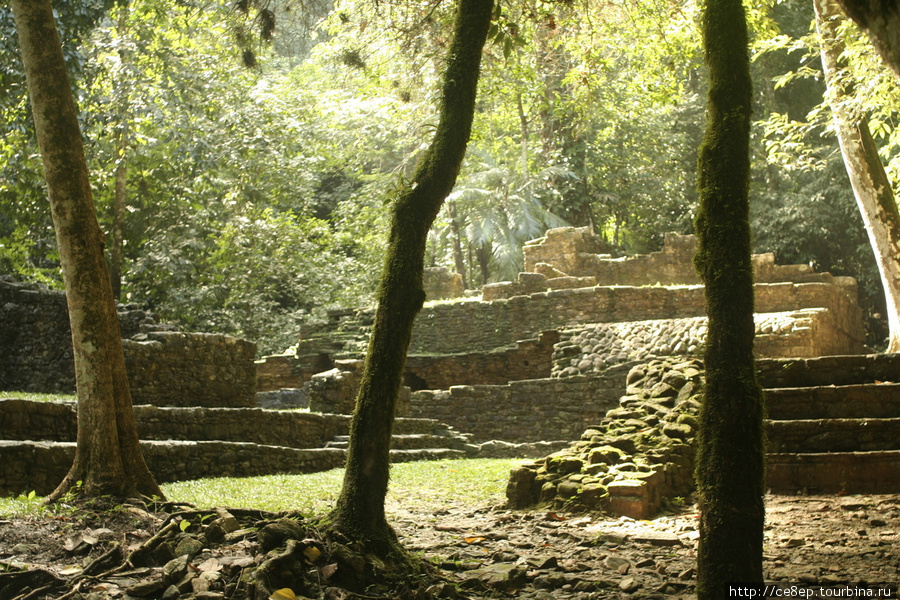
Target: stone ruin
point(165, 367)
point(553, 357)
point(554, 347)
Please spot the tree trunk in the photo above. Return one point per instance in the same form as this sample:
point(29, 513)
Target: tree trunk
point(118, 238)
point(870, 183)
point(730, 452)
point(359, 513)
point(880, 19)
point(108, 459)
point(458, 261)
point(121, 172)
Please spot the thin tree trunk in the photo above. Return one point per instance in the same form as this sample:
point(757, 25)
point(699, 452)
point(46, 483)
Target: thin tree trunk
point(870, 183)
point(118, 238)
point(458, 261)
point(359, 513)
point(730, 445)
point(121, 172)
point(108, 459)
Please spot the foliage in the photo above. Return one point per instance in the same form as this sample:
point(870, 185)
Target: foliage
point(576, 124)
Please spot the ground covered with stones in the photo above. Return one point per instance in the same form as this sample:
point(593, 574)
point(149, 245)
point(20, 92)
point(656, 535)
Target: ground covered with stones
point(130, 552)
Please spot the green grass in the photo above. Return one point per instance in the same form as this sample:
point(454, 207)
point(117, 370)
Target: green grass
point(426, 484)
point(35, 397)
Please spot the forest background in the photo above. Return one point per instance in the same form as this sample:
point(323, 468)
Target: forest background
point(253, 145)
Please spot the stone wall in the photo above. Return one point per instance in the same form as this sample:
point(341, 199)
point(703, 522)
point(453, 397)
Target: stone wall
point(524, 411)
point(478, 325)
point(440, 283)
point(289, 370)
point(593, 348)
point(529, 359)
point(577, 252)
point(191, 369)
point(40, 466)
point(55, 422)
point(164, 367)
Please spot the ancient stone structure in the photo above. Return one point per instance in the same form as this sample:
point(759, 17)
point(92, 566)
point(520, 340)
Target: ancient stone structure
point(833, 427)
point(440, 284)
point(542, 358)
point(629, 461)
point(556, 323)
point(165, 367)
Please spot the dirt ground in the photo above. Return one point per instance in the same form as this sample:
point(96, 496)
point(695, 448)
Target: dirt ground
point(811, 541)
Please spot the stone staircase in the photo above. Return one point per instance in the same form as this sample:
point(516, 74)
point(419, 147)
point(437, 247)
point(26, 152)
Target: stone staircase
point(443, 442)
point(833, 424)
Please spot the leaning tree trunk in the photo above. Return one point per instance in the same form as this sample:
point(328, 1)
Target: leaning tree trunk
point(870, 183)
point(730, 450)
point(108, 459)
point(359, 512)
point(880, 19)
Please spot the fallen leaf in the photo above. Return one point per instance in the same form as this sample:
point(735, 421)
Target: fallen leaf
point(474, 539)
point(209, 565)
point(70, 570)
point(552, 516)
point(329, 570)
point(312, 553)
point(283, 594)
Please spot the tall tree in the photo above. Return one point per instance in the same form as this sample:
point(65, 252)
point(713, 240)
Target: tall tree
point(730, 452)
point(359, 512)
point(871, 187)
point(880, 19)
point(108, 459)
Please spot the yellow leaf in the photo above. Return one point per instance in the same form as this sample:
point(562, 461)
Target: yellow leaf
point(312, 553)
point(283, 594)
point(474, 540)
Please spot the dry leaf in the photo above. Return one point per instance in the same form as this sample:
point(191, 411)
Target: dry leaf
point(329, 570)
point(312, 553)
point(70, 570)
point(209, 565)
point(474, 539)
point(283, 594)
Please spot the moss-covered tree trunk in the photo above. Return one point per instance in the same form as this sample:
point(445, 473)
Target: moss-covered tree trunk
point(730, 455)
point(359, 512)
point(870, 183)
point(108, 458)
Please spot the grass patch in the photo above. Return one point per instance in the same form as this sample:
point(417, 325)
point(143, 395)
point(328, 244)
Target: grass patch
point(35, 397)
point(426, 483)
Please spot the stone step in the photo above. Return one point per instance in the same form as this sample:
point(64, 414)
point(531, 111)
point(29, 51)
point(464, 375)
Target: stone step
point(875, 400)
point(833, 435)
point(409, 441)
point(828, 370)
point(414, 454)
point(834, 472)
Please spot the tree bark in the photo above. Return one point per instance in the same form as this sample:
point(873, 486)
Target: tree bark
point(870, 183)
point(359, 512)
point(730, 452)
point(121, 172)
point(880, 20)
point(458, 261)
point(108, 459)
